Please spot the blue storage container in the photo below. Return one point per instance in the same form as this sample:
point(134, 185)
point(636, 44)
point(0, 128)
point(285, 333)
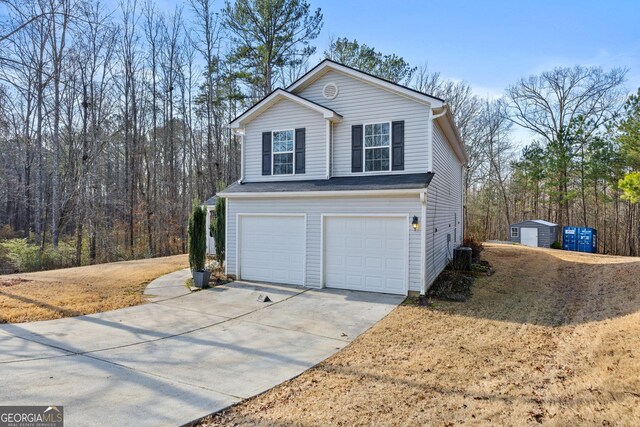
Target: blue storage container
point(580, 239)
point(588, 240)
point(570, 238)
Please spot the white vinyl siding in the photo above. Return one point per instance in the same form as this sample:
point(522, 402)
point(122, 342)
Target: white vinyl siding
point(444, 206)
point(284, 115)
point(314, 208)
point(359, 103)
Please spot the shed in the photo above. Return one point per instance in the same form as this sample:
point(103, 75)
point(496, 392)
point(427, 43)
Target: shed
point(535, 232)
point(210, 205)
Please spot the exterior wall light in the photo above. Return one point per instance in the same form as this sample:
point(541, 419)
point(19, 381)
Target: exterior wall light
point(415, 224)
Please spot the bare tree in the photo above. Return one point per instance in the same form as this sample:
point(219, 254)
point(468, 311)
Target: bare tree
point(559, 104)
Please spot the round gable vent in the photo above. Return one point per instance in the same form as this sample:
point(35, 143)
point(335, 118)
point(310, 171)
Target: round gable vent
point(330, 91)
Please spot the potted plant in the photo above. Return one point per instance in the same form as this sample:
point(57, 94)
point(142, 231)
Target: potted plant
point(198, 246)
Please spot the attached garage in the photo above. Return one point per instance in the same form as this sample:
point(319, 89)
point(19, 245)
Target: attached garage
point(366, 253)
point(271, 248)
point(375, 243)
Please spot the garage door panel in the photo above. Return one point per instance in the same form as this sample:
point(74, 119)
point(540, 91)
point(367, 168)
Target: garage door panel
point(353, 261)
point(272, 248)
point(381, 263)
point(395, 286)
point(375, 244)
point(396, 265)
point(374, 282)
point(353, 243)
point(395, 244)
point(356, 282)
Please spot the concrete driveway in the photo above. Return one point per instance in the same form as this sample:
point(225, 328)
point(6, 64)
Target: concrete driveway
point(184, 355)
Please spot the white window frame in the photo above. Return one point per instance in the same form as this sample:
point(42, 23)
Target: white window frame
point(365, 148)
point(517, 232)
point(293, 152)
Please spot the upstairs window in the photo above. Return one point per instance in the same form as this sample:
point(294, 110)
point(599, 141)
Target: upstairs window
point(514, 231)
point(377, 138)
point(282, 149)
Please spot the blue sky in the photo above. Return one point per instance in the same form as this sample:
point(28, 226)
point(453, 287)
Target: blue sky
point(488, 43)
point(491, 44)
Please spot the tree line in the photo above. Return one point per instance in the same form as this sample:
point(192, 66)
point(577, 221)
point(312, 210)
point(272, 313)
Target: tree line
point(112, 121)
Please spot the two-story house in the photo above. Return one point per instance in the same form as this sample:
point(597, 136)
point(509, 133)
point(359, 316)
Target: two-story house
point(348, 181)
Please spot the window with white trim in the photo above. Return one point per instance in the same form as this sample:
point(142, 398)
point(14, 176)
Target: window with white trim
point(282, 152)
point(377, 150)
point(514, 231)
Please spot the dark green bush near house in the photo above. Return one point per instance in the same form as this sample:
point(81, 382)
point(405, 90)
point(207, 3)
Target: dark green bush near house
point(218, 229)
point(197, 237)
point(556, 245)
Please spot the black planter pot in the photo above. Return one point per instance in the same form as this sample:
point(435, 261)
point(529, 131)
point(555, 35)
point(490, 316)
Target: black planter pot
point(201, 278)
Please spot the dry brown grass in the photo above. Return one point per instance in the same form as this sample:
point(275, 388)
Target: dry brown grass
point(553, 337)
point(82, 290)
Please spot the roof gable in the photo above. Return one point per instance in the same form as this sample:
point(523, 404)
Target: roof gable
point(274, 97)
point(327, 65)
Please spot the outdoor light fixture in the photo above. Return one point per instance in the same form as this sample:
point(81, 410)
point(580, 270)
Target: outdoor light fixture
point(414, 223)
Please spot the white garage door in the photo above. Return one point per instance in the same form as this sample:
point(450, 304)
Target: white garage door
point(366, 253)
point(272, 248)
point(529, 236)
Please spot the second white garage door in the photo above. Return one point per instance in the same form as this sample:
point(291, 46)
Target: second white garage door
point(366, 253)
point(272, 248)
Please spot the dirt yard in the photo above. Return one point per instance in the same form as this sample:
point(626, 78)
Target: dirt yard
point(551, 338)
point(69, 292)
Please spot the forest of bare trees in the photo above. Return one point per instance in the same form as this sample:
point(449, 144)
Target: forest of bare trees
point(113, 120)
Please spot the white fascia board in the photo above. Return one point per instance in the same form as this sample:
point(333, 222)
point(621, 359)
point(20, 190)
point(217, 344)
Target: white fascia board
point(329, 65)
point(294, 194)
point(276, 96)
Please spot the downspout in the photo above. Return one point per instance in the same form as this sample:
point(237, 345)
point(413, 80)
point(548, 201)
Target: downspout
point(423, 244)
point(241, 133)
point(328, 149)
point(430, 142)
point(442, 113)
point(423, 203)
point(226, 236)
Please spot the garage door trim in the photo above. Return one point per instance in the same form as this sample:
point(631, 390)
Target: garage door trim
point(365, 215)
point(238, 235)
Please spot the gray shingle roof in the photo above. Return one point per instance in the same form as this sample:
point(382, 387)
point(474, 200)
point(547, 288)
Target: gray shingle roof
point(211, 201)
point(537, 221)
point(352, 183)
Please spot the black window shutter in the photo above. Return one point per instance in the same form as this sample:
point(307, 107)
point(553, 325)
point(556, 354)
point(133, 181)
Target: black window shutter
point(266, 153)
point(356, 148)
point(397, 145)
point(300, 146)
